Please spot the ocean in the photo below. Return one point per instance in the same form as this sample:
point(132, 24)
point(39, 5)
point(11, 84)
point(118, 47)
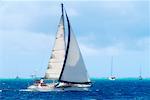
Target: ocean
point(102, 89)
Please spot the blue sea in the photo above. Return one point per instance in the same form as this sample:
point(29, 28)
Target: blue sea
point(102, 89)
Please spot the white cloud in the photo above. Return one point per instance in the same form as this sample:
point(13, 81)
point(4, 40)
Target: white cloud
point(113, 50)
point(20, 40)
point(22, 51)
point(116, 49)
point(27, 15)
point(21, 15)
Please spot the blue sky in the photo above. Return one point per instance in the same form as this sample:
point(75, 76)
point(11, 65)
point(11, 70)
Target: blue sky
point(104, 28)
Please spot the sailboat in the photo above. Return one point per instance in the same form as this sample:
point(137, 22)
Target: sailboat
point(112, 77)
point(66, 66)
point(140, 76)
point(17, 77)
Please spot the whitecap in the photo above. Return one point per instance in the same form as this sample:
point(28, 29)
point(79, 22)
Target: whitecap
point(27, 90)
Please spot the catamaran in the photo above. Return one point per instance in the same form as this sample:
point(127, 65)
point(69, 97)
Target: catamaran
point(112, 77)
point(66, 66)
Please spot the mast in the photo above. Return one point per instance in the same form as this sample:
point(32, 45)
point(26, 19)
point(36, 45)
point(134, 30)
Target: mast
point(111, 67)
point(140, 71)
point(62, 10)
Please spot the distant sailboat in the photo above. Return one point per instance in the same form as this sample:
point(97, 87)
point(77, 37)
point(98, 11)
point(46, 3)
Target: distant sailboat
point(17, 77)
point(66, 66)
point(112, 77)
point(140, 74)
point(33, 76)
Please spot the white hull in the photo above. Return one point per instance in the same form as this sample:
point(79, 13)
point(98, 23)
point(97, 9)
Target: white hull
point(41, 88)
point(112, 78)
point(51, 87)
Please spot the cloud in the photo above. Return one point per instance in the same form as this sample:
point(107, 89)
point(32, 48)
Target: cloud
point(35, 16)
point(101, 51)
point(22, 51)
point(23, 15)
point(21, 40)
point(117, 47)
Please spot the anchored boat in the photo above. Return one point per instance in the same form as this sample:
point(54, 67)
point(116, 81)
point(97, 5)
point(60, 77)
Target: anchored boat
point(112, 77)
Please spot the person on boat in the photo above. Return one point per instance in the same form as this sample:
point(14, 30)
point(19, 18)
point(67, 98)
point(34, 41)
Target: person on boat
point(40, 82)
point(37, 83)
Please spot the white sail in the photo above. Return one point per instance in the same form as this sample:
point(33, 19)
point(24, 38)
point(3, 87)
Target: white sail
point(74, 69)
point(58, 53)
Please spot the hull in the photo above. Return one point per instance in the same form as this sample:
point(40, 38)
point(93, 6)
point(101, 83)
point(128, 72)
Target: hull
point(52, 87)
point(112, 78)
point(140, 78)
point(41, 88)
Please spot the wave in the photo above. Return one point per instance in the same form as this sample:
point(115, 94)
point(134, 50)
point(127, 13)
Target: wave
point(26, 90)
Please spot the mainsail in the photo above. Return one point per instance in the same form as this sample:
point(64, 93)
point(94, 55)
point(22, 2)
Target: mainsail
point(58, 52)
point(74, 70)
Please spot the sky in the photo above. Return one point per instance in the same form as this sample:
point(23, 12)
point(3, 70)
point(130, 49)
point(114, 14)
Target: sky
point(103, 28)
